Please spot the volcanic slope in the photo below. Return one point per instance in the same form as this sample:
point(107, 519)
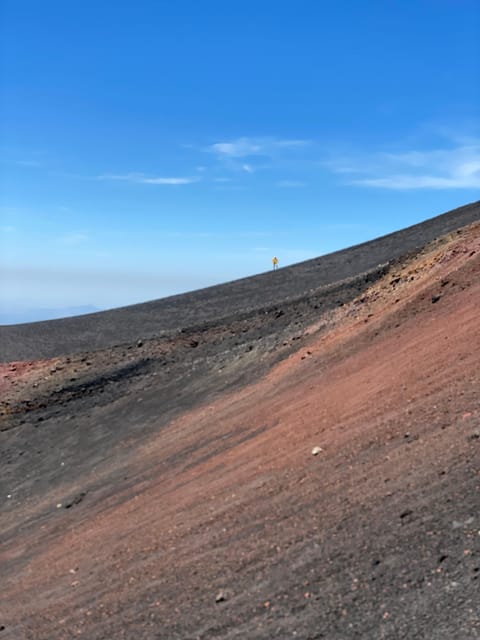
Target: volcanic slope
point(167, 315)
point(167, 489)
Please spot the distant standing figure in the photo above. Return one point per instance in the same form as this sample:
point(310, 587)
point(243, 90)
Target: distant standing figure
point(275, 263)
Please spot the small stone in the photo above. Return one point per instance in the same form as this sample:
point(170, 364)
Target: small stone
point(139, 343)
point(221, 596)
point(435, 299)
point(316, 451)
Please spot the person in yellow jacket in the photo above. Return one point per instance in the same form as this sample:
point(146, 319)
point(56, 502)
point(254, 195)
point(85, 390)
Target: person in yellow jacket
point(275, 263)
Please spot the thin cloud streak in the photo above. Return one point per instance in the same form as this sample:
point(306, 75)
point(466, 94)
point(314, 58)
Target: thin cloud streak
point(454, 168)
point(140, 178)
point(239, 148)
point(405, 182)
point(244, 147)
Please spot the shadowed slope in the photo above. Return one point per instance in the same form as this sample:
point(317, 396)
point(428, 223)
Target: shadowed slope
point(102, 330)
point(168, 491)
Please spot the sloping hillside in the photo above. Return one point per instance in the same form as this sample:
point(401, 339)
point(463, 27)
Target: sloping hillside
point(167, 489)
point(153, 319)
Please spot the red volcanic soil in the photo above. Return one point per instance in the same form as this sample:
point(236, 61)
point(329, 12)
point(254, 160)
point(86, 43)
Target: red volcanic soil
point(168, 489)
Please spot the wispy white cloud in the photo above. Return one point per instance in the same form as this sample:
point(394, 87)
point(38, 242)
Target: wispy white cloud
point(263, 146)
point(252, 154)
point(454, 167)
point(140, 178)
point(173, 181)
point(240, 148)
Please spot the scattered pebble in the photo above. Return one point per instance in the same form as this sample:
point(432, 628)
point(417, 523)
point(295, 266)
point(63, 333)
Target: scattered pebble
point(316, 451)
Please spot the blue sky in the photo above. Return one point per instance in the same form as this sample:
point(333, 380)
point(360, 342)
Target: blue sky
point(150, 147)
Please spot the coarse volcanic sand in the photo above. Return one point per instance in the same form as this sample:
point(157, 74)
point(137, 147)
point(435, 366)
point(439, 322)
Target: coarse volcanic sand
point(127, 518)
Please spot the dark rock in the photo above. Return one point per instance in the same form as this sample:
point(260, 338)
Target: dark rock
point(76, 500)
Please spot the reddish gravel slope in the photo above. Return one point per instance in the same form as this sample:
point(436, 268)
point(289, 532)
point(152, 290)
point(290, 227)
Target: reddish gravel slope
point(168, 490)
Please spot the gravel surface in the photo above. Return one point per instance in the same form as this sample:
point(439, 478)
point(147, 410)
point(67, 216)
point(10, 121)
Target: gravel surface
point(165, 487)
